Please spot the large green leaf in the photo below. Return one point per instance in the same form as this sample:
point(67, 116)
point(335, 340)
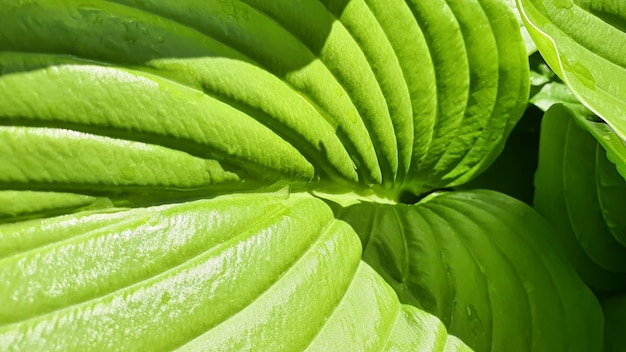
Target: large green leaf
point(241, 272)
point(128, 103)
point(412, 95)
point(584, 42)
point(514, 171)
point(574, 190)
point(485, 264)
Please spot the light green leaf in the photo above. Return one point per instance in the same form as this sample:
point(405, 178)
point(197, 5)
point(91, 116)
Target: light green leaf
point(528, 40)
point(485, 264)
point(567, 194)
point(583, 41)
point(51, 158)
point(143, 103)
point(163, 113)
point(229, 272)
point(352, 93)
point(558, 93)
point(17, 205)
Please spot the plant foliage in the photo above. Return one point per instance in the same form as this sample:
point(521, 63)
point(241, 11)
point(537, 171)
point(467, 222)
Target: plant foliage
point(230, 175)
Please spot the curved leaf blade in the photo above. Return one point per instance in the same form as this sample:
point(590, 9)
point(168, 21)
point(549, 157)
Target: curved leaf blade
point(583, 42)
point(110, 279)
point(568, 159)
point(484, 264)
point(611, 189)
point(331, 89)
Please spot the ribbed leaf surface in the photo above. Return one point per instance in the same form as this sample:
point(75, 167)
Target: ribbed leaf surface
point(405, 94)
point(578, 190)
point(486, 265)
point(236, 273)
point(584, 42)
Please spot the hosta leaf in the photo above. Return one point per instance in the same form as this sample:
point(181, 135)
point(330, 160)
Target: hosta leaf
point(558, 93)
point(528, 41)
point(133, 103)
point(483, 263)
point(20, 204)
point(163, 113)
point(316, 27)
point(46, 158)
point(507, 109)
point(568, 194)
point(221, 274)
point(615, 323)
point(513, 172)
point(614, 146)
point(584, 41)
point(409, 95)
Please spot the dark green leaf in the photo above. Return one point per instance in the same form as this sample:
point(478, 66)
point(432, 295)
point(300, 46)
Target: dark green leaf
point(615, 323)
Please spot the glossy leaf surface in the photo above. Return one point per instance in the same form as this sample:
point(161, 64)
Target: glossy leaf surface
point(95, 281)
point(485, 264)
point(573, 192)
point(584, 42)
point(409, 95)
point(558, 93)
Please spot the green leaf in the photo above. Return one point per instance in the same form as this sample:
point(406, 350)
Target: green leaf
point(69, 159)
point(17, 205)
point(558, 93)
point(528, 41)
point(513, 172)
point(485, 264)
point(229, 271)
point(168, 103)
point(583, 42)
point(352, 93)
point(615, 323)
point(611, 189)
point(568, 194)
point(204, 126)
